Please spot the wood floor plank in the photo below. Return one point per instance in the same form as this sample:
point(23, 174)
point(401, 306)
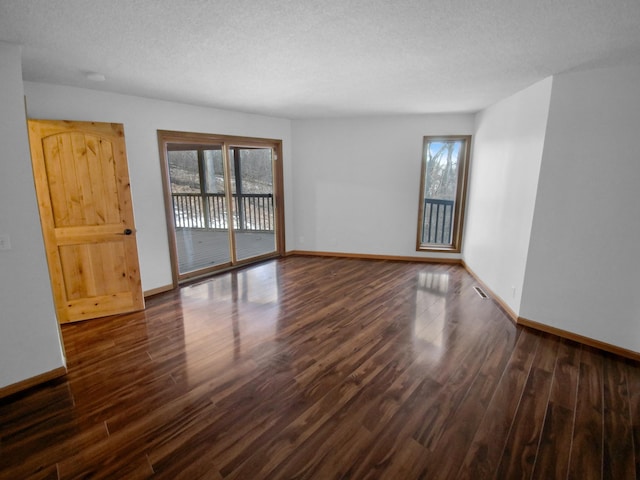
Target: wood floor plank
point(237, 421)
point(587, 447)
point(123, 453)
point(521, 449)
point(310, 457)
point(378, 460)
point(554, 447)
point(449, 453)
point(488, 446)
point(633, 385)
point(618, 453)
point(308, 367)
point(457, 383)
point(265, 453)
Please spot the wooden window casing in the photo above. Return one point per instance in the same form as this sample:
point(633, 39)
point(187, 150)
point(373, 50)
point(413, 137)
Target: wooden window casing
point(440, 224)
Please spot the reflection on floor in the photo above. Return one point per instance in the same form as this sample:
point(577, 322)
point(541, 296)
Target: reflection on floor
point(198, 248)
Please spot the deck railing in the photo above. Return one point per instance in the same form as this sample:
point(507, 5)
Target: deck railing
point(252, 212)
point(437, 221)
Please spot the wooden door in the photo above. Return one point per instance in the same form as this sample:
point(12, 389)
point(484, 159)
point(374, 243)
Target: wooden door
point(82, 185)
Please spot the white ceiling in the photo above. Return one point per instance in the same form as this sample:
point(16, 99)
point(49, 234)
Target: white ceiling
point(303, 58)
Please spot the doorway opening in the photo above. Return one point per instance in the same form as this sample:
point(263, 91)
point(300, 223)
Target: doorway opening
point(224, 201)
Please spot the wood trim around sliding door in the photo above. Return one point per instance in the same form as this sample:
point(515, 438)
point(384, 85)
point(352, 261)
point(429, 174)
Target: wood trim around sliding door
point(170, 136)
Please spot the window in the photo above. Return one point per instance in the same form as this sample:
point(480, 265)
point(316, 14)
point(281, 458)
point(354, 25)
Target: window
point(445, 163)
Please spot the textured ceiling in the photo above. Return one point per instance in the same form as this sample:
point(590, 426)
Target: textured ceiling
point(299, 59)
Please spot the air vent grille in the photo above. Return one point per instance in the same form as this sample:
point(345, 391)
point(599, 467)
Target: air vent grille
point(480, 292)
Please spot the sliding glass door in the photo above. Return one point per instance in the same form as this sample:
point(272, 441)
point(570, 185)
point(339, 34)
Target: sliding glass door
point(221, 200)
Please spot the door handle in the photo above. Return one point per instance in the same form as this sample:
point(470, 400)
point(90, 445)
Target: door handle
point(128, 231)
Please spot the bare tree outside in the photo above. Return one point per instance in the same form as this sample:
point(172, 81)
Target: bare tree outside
point(443, 169)
point(197, 179)
point(442, 160)
point(255, 168)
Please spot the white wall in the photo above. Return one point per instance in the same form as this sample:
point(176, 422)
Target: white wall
point(583, 270)
point(505, 165)
point(142, 118)
point(357, 181)
point(29, 336)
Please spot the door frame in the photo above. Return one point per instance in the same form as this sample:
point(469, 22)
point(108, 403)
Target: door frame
point(172, 136)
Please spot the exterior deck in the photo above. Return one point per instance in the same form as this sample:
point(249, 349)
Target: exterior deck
point(202, 248)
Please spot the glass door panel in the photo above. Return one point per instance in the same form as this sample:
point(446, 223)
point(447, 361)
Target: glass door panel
point(252, 188)
point(200, 207)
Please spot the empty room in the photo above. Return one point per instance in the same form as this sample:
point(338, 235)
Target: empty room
point(277, 239)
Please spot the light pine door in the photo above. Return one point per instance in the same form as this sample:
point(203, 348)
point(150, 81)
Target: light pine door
point(84, 197)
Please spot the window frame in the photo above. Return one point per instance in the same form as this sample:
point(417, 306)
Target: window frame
point(460, 200)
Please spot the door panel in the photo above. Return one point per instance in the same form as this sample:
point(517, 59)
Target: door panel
point(251, 172)
point(83, 190)
point(198, 193)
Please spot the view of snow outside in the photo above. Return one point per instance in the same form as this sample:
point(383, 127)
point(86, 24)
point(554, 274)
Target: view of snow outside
point(198, 190)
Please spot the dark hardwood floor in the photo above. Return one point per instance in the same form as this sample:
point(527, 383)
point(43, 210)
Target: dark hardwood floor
point(325, 368)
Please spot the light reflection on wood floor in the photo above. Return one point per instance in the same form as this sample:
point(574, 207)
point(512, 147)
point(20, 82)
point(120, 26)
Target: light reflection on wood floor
point(323, 368)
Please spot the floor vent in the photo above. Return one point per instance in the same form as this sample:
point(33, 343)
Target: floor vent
point(480, 292)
